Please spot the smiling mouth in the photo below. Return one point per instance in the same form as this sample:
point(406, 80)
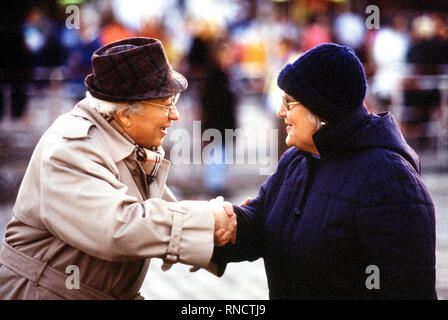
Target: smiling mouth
point(164, 129)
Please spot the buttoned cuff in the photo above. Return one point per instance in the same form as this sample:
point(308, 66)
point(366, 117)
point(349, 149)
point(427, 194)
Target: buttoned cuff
point(192, 234)
point(172, 252)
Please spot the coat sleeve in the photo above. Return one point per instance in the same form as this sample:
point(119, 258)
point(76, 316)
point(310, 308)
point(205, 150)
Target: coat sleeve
point(396, 225)
point(84, 204)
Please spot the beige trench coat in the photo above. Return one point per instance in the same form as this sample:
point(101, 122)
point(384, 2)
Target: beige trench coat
point(84, 202)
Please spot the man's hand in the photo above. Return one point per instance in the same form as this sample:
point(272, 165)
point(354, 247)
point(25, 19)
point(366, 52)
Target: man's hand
point(225, 222)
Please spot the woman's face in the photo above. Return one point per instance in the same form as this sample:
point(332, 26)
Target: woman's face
point(299, 126)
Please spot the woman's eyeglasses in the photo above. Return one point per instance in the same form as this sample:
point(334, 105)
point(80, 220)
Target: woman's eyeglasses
point(287, 105)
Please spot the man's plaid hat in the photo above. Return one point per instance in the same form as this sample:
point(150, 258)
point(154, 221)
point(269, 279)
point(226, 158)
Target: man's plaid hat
point(133, 69)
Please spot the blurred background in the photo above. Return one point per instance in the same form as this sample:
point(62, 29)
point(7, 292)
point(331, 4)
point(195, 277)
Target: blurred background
point(231, 52)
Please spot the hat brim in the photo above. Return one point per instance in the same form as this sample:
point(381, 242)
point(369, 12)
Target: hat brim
point(174, 84)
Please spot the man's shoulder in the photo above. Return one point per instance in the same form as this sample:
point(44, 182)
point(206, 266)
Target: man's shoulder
point(71, 135)
point(74, 127)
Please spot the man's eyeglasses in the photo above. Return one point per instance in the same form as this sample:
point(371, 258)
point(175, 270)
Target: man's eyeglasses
point(287, 105)
point(168, 108)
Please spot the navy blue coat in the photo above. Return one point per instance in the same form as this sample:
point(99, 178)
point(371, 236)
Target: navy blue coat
point(319, 223)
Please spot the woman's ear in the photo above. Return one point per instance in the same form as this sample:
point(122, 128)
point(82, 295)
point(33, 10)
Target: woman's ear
point(123, 117)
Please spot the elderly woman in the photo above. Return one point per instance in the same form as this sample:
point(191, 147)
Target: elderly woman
point(345, 215)
point(93, 206)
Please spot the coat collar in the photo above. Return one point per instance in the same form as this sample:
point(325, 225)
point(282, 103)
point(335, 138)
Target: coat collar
point(119, 147)
point(331, 137)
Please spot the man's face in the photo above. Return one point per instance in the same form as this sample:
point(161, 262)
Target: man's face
point(149, 126)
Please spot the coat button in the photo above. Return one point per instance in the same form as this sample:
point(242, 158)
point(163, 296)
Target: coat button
point(297, 212)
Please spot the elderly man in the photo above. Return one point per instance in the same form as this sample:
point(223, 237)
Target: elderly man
point(93, 205)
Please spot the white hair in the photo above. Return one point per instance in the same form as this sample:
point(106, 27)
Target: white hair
point(318, 122)
point(109, 107)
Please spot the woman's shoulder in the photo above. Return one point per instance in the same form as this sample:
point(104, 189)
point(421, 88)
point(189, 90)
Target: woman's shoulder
point(393, 177)
point(385, 162)
point(291, 154)
point(290, 162)
point(290, 158)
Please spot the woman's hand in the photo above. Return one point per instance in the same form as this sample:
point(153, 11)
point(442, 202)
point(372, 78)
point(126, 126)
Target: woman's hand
point(242, 204)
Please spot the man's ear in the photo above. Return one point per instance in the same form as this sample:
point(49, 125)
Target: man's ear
point(122, 116)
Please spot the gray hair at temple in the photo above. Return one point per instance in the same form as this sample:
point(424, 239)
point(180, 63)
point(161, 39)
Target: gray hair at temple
point(316, 120)
point(109, 107)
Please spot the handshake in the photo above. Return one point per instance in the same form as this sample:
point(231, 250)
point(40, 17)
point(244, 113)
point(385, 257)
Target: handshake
point(225, 222)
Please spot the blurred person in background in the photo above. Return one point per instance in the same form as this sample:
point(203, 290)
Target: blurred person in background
point(42, 37)
point(15, 58)
point(390, 46)
point(154, 27)
point(427, 51)
point(429, 36)
point(349, 30)
point(252, 56)
point(316, 32)
point(80, 44)
point(94, 196)
point(112, 30)
point(15, 72)
point(203, 34)
point(210, 60)
point(347, 196)
point(218, 105)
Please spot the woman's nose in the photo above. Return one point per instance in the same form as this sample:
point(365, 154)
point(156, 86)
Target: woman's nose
point(281, 112)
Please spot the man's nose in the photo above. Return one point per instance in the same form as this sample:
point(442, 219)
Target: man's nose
point(174, 114)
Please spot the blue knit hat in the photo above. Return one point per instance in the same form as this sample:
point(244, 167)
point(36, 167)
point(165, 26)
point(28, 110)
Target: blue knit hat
point(329, 80)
